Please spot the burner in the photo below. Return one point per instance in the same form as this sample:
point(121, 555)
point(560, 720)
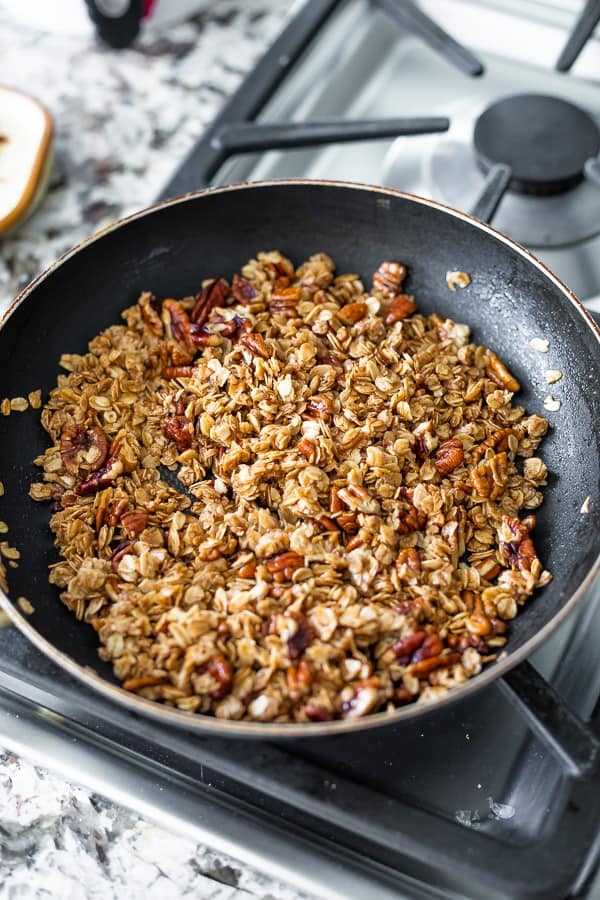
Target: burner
point(544, 140)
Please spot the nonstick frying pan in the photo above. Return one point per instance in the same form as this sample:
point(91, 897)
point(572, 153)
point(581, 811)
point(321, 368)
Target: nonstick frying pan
point(169, 248)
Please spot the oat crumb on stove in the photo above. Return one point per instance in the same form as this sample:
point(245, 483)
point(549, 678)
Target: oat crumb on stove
point(19, 404)
point(585, 506)
point(13, 564)
point(352, 531)
point(25, 606)
point(1, 489)
point(552, 375)
point(4, 619)
point(9, 552)
point(551, 403)
point(5, 407)
point(540, 345)
point(35, 399)
point(3, 527)
point(456, 280)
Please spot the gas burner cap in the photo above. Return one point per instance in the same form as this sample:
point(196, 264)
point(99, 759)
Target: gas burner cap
point(544, 140)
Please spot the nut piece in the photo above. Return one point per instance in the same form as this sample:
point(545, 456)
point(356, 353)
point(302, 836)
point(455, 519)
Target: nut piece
point(353, 312)
point(457, 279)
point(388, 278)
point(83, 448)
point(134, 522)
point(518, 550)
point(283, 565)
point(255, 344)
point(408, 563)
point(449, 456)
point(178, 429)
point(243, 291)
point(497, 371)
point(213, 294)
point(401, 306)
point(489, 477)
point(319, 407)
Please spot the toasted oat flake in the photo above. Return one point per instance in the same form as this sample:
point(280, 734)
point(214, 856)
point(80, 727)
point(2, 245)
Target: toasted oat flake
point(5, 406)
point(551, 403)
point(35, 399)
point(19, 404)
point(585, 506)
point(456, 280)
point(552, 375)
point(540, 345)
point(292, 497)
point(3, 527)
point(4, 619)
point(25, 606)
point(1, 489)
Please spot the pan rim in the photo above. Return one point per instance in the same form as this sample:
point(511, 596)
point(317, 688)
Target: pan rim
point(223, 727)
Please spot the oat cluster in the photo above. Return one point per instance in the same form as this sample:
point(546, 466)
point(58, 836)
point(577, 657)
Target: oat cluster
point(292, 498)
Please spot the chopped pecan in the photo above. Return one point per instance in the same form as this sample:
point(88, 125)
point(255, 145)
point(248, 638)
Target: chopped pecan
point(519, 551)
point(298, 679)
point(222, 671)
point(117, 508)
point(431, 646)
point(201, 336)
point(101, 478)
point(319, 407)
point(134, 521)
point(243, 290)
point(248, 570)
point(400, 307)
point(388, 278)
point(213, 294)
point(327, 524)
point(411, 519)
point(348, 522)
point(404, 648)
point(353, 312)
point(409, 561)
point(498, 440)
point(336, 504)
point(479, 624)
point(449, 456)
point(365, 699)
point(425, 666)
point(426, 439)
point(254, 342)
point(489, 477)
point(118, 553)
point(283, 565)
point(307, 449)
point(178, 429)
point(499, 374)
point(299, 641)
point(150, 308)
point(83, 448)
point(284, 300)
point(316, 712)
point(177, 323)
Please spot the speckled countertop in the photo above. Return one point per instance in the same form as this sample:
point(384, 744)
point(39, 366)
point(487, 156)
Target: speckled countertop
point(124, 121)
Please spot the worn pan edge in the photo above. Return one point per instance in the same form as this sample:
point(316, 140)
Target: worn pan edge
point(223, 727)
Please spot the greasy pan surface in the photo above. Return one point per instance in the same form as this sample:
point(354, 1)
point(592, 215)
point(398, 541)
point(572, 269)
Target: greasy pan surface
point(170, 248)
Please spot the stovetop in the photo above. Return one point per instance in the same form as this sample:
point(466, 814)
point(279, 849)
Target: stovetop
point(471, 801)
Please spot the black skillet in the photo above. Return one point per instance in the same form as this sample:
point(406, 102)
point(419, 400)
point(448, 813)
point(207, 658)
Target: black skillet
point(169, 248)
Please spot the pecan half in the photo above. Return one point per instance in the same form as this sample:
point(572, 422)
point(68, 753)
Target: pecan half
point(498, 440)
point(411, 519)
point(178, 429)
point(222, 671)
point(283, 565)
point(401, 306)
point(425, 666)
point(405, 647)
point(117, 508)
point(101, 478)
point(388, 278)
point(499, 374)
point(519, 551)
point(177, 324)
point(353, 312)
point(307, 449)
point(490, 477)
point(243, 290)
point(449, 456)
point(426, 441)
point(134, 521)
point(254, 342)
point(213, 294)
point(319, 407)
point(284, 300)
point(83, 448)
point(316, 712)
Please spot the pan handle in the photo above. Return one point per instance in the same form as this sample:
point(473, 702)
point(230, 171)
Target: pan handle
point(571, 740)
point(494, 188)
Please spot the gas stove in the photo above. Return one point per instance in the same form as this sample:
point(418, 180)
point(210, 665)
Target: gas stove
point(498, 796)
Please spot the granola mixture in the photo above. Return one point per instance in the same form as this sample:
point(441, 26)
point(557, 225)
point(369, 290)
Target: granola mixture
point(348, 532)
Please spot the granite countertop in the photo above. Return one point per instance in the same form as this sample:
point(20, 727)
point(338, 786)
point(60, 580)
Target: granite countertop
point(124, 121)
